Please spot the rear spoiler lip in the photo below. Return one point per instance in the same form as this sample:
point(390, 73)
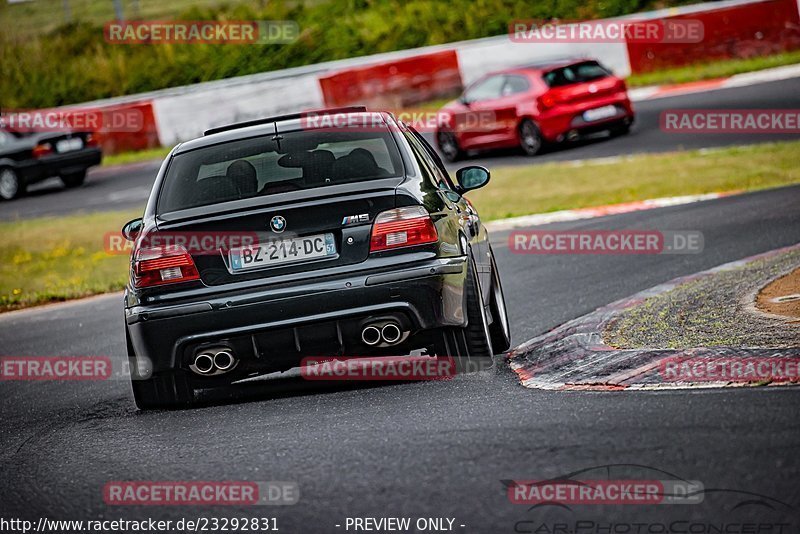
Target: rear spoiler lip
point(291, 116)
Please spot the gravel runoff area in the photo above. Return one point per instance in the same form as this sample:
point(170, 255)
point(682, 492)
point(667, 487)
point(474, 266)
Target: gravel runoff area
point(782, 297)
point(713, 311)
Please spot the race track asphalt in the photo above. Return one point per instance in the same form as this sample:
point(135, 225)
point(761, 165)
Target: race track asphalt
point(433, 449)
point(128, 187)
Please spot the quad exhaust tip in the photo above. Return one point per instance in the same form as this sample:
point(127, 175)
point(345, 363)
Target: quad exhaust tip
point(208, 363)
point(204, 363)
point(223, 360)
point(391, 333)
point(388, 333)
point(371, 335)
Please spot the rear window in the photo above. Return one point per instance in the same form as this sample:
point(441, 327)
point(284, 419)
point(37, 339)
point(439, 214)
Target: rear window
point(578, 73)
point(8, 136)
point(277, 164)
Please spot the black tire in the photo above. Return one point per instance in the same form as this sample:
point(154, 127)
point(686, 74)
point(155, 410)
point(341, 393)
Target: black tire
point(621, 129)
point(448, 146)
point(11, 185)
point(499, 327)
point(167, 390)
point(470, 346)
point(530, 138)
point(73, 179)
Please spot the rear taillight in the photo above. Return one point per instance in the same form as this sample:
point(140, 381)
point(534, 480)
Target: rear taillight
point(92, 140)
point(546, 101)
point(44, 149)
point(153, 266)
point(402, 227)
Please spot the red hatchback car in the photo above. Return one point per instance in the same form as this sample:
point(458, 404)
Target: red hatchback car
point(530, 106)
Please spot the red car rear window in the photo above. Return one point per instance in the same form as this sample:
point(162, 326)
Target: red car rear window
point(579, 73)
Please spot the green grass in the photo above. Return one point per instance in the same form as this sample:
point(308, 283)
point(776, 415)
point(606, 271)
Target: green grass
point(44, 16)
point(521, 190)
point(46, 62)
point(58, 258)
point(712, 70)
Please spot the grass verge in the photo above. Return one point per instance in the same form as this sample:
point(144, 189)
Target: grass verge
point(711, 70)
point(59, 258)
point(708, 312)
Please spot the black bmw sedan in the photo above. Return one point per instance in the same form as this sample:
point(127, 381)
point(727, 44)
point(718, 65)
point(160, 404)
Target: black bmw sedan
point(333, 234)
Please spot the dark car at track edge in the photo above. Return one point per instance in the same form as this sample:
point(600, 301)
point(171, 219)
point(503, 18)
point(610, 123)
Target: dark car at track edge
point(365, 247)
point(27, 158)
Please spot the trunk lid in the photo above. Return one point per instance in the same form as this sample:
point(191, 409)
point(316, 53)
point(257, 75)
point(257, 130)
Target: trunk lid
point(341, 215)
point(585, 91)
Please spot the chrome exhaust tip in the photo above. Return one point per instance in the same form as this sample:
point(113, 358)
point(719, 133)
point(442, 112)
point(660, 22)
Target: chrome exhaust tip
point(223, 360)
point(204, 363)
point(371, 335)
point(391, 333)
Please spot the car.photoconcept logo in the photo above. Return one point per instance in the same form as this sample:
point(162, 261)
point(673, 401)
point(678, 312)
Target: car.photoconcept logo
point(278, 224)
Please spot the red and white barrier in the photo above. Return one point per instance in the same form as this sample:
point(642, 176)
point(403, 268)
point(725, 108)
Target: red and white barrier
point(733, 28)
point(740, 30)
point(395, 84)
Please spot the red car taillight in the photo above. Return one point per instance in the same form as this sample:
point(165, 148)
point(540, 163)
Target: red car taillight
point(43, 149)
point(153, 266)
point(92, 140)
point(546, 101)
point(402, 227)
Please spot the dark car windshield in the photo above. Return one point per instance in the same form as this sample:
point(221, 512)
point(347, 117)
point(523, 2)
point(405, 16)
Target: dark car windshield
point(586, 71)
point(272, 164)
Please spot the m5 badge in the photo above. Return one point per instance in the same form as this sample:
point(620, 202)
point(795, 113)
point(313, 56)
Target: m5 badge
point(353, 219)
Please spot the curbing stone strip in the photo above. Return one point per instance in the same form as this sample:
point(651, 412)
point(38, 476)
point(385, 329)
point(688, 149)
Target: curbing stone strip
point(598, 211)
point(744, 79)
point(574, 356)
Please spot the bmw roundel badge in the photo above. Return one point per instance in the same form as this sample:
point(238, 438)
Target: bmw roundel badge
point(278, 224)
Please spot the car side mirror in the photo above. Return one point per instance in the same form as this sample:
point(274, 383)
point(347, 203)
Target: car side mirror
point(132, 229)
point(472, 177)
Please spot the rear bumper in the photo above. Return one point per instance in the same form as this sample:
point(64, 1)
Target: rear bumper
point(273, 328)
point(555, 127)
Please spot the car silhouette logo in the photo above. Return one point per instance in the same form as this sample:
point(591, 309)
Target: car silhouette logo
point(278, 224)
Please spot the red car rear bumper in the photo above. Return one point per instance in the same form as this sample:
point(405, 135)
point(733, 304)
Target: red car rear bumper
point(555, 124)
